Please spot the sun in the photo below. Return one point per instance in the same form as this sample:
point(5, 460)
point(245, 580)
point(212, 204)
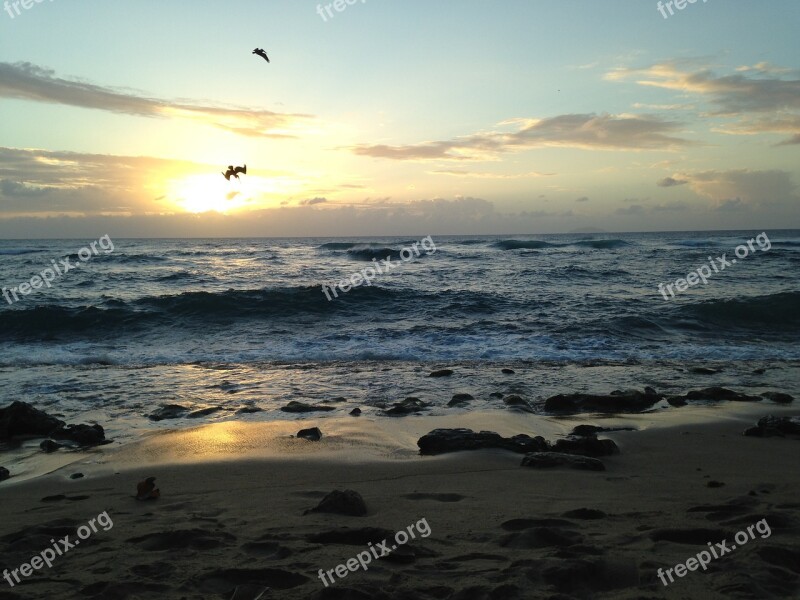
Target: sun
point(204, 193)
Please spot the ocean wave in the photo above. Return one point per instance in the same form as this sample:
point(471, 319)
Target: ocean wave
point(524, 245)
point(18, 251)
point(541, 245)
point(776, 310)
point(373, 253)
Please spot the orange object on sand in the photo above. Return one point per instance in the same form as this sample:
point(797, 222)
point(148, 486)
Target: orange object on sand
point(146, 490)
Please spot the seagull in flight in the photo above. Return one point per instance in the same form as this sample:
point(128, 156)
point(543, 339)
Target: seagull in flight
point(234, 172)
point(261, 53)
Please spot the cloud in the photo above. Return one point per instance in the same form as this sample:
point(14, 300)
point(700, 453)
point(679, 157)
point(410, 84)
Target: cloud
point(671, 182)
point(733, 94)
point(477, 175)
point(11, 189)
point(585, 131)
point(25, 81)
point(754, 189)
point(582, 199)
point(632, 210)
point(312, 201)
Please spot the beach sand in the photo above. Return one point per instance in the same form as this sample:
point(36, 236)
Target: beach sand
point(233, 496)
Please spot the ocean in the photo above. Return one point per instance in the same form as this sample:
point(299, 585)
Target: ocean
point(244, 323)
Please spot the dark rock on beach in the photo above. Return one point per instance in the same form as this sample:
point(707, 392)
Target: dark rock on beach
point(84, 435)
point(460, 399)
point(517, 403)
point(4, 474)
point(356, 412)
point(771, 426)
point(21, 419)
point(585, 446)
point(246, 410)
point(591, 430)
point(441, 373)
point(720, 393)
point(406, 407)
point(778, 397)
point(347, 502)
point(49, 446)
point(203, 412)
point(617, 401)
point(312, 434)
point(76, 476)
point(300, 407)
point(548, 460)
point(441, 441)
point(168, 411)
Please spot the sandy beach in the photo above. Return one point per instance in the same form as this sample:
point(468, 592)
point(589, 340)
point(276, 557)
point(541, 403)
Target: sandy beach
point(233, 497)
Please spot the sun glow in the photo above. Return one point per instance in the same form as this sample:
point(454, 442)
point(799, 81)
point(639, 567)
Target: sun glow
point(203, 193)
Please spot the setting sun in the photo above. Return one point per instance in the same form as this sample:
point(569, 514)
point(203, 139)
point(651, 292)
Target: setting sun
point(203, 193)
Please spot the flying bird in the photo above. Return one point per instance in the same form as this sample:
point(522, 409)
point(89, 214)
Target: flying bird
point(234, 172)
point(261, 53)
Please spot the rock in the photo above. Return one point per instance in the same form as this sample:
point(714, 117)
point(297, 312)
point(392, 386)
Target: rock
point(4, 474)
point(203, 412)
point(585, 446)
point(168, 411)
point(49, 446)
point(459, 399)
point(76, 476)
point(246, 410)
point(300, 407)
point(720, 393)
point(336, 400)
point(406, 407)
point(648, 391)
point(356, 412)
point(617, 401)
point(441, 373)
point(22, 419)
point(592, 430)
point(508, 371)
point(771, 426)
point(441, 441)
point(84, 435)
point(778, 397)
point(704, 371)
point(677, 401)
point(347, 502)
point(518, 403)
point(312, 434)
point(548, 460)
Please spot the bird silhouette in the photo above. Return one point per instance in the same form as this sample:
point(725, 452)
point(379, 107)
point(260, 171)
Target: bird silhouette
point(261, 53)
point(234, 172)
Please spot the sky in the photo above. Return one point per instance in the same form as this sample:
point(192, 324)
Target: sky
point(397, 118)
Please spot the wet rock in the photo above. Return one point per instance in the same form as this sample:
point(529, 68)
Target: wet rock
point(169, 411)
point(356, 412)
point(347, 502)
point(549, 460)
point(246, 410)
point(76, 476)
point(720, 393)
point(591, 430)
point(517, 403)
point(460, 399)
point(312, 434)
point(203, 412)
point(585, 446)
point(441, 441)
point(677, 401)
point(49, 446)
point(22, 419)
point(300, 407)
point(508, 371)
point(4, 474)
point(778, 397)
point(617, 401)
point(84, 435)
point(441, 373)
point(704, 371)
point(771, 426)
point(406, 407)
